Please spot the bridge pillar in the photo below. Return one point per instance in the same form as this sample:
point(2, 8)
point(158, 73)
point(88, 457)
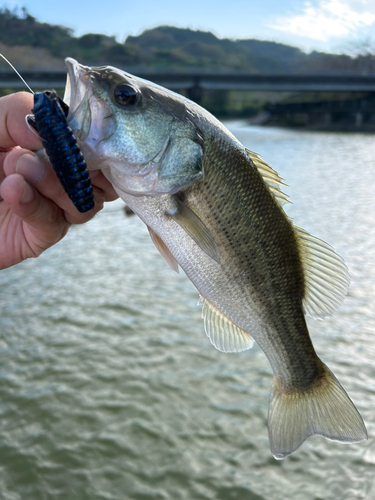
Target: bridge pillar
point(327, 119)
point(195, 93)
point(358, 120)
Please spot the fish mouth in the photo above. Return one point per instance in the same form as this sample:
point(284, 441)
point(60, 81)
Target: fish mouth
point(77, 96)
point(77, 82)
point(86, 112)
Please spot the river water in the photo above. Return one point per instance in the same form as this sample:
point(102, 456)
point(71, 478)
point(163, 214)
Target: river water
point(110, 389)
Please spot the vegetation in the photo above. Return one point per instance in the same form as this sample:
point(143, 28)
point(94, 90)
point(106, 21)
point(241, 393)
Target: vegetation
point(163, 47)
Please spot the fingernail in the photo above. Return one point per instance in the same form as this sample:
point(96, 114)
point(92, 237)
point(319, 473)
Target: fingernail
point(28, 194)
point(30, 167)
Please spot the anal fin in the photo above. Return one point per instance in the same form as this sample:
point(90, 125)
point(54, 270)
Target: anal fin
point(223, 334)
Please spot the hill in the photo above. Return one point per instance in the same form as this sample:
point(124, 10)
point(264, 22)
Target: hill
point(32, 44)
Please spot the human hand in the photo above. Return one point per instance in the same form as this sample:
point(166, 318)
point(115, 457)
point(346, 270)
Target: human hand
point(35, 211)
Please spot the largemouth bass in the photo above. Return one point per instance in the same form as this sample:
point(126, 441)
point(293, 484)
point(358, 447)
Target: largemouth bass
point(215, 209)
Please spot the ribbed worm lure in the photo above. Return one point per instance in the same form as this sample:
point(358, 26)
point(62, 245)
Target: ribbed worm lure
point(49, 121)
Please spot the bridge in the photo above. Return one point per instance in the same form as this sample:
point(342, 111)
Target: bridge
point(212, 81)
point(357, 113)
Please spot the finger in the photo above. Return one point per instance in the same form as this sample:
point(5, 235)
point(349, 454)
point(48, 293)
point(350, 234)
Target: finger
point(46, 220)
point(41, 175)
point(100, 181)
point(2, 174)
point(14, 130)
point(36, 173)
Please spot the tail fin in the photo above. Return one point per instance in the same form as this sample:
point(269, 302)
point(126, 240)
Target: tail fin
point(323, 409)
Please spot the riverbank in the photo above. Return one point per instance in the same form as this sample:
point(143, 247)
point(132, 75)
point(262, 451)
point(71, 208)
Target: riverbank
point(350, 122)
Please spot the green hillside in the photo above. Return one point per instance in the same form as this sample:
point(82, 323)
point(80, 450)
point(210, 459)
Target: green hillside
point(32, 44)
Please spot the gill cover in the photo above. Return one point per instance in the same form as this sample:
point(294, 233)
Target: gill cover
point(177, 165)
point(131, 129)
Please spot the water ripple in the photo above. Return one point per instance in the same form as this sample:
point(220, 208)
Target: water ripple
point(109, 388)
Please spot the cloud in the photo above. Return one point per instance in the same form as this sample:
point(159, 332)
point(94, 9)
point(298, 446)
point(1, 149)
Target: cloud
point(328, 19)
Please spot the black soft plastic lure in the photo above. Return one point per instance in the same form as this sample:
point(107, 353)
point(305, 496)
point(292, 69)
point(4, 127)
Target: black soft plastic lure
point(49, 121)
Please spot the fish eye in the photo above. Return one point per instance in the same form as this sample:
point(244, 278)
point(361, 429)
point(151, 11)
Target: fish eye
point(125, 95)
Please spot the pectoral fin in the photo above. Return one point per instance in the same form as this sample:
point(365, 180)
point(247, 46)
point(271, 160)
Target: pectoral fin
point(163, 250)
point(195, 228)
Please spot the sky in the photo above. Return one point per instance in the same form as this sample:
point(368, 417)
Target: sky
point(325, 25)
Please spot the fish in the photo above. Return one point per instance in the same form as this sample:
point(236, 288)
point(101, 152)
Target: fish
point(215, 209)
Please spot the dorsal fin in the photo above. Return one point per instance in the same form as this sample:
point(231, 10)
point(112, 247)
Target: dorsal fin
point(326, 275)
point(270, 177)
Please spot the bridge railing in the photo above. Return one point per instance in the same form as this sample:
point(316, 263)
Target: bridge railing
point(213, 81)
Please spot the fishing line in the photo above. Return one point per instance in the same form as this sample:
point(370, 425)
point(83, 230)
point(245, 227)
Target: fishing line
point(31, 90)
point(17, 73)
point(27, 85)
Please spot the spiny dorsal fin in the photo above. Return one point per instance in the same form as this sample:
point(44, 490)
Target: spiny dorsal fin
point(326, 275)
point(163, 250)
point(191, 223)
point(224, 334)
point(270, 177)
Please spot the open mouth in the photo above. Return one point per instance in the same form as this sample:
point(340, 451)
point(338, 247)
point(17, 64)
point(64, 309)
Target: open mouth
point(77, 96)
point(89, 117)
point(77, 82)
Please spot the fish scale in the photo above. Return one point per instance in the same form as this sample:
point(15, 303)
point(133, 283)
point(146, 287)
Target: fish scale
point(276, 277)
